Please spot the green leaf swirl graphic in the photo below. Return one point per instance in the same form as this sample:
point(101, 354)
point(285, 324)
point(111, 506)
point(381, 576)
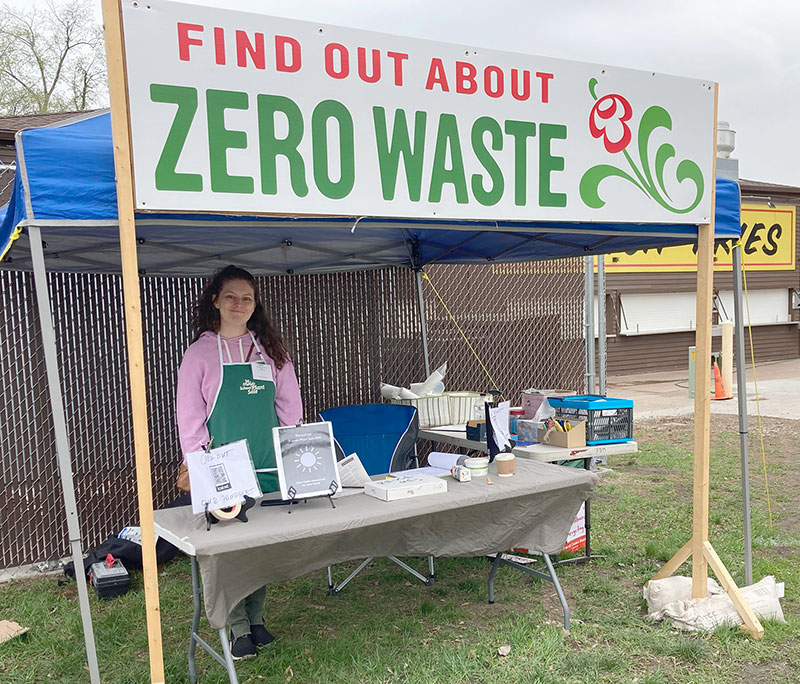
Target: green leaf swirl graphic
point(649, 180)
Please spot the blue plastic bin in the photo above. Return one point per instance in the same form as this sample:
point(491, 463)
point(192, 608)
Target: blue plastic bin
point(608, 420)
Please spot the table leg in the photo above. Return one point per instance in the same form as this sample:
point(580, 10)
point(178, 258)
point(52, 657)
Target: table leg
point(587, 554)
point(560, 593)
point(226, 651)
point(196, 592)
point(226, 659)
point(551, 577)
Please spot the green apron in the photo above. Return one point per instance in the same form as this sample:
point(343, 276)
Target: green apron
point(245, 409)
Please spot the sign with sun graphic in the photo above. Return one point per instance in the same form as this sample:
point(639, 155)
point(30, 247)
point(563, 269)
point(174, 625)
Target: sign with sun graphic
point(306, 460)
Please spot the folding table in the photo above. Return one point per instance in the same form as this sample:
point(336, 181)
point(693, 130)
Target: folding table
point(544, 453)
point(533, 509)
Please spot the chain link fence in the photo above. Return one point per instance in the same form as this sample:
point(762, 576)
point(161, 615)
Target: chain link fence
point(347, 333)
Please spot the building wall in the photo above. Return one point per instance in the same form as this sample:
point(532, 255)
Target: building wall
point(640, 353)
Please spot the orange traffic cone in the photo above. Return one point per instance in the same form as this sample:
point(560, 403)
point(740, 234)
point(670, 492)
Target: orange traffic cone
point(719, 388)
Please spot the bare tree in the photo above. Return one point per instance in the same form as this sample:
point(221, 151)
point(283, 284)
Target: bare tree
point(51, 58)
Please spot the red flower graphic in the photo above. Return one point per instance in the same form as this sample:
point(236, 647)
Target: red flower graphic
point(611, 111)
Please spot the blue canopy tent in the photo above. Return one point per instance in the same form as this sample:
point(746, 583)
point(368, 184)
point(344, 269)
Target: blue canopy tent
point(65, 185)
point(65, 194)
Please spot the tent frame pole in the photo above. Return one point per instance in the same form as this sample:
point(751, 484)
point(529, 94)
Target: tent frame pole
point(741, 392)
point(699, 548)
point(602, 350)
point(62, 442)
point(588, 325)
point(423, 323)
point(120, 131)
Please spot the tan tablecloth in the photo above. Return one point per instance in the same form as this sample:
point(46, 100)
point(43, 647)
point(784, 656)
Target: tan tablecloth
point(533, 509)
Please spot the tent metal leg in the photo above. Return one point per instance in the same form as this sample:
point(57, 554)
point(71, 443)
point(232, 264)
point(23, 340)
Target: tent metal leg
point(550, 577)
point(588, 317)
point(741, 391)
point(62, 443)
point(423, 324)
point(602, 353)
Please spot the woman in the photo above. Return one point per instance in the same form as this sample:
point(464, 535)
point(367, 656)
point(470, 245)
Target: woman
point(237, 381)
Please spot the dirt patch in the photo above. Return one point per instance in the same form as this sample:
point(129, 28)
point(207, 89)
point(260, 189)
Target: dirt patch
point(781, 439)
point(768, 672)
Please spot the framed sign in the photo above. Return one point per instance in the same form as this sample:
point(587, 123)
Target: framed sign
point(221, 477)
point(306, 460)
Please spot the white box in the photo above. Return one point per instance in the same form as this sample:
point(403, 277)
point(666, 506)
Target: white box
point(405, 487)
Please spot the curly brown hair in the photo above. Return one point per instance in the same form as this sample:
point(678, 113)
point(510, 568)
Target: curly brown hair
point(206, 316)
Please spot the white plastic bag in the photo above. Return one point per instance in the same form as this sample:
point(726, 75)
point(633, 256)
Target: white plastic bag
point(544, 411)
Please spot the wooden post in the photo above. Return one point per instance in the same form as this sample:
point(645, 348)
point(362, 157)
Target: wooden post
point(698, 548)
point(117, 86)
point(702, 403)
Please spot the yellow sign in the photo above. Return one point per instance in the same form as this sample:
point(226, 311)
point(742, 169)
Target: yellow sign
point(768, 244)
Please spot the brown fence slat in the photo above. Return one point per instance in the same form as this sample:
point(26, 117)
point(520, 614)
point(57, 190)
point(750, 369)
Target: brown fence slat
point(347, 332)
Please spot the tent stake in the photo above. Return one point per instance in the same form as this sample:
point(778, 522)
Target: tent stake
point(112, 19)
point(62, 442)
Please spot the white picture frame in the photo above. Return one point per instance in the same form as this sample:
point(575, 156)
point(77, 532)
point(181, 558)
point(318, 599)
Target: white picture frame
point(306, 460)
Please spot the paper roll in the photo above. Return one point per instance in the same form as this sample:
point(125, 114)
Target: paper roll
point(227, 513)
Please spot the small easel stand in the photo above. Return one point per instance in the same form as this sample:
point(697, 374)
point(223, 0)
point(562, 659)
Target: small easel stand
point(332, 489)
point(699, 548)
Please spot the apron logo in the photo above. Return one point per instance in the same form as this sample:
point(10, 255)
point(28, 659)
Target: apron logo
point(250, 387)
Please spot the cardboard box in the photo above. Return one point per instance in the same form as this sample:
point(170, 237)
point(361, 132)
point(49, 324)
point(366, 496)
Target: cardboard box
point(576, 437)
point(406, 487)
point(533, 398)
point(476, 430)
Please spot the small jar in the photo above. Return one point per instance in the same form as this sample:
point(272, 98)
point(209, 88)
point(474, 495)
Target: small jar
point(513, 416)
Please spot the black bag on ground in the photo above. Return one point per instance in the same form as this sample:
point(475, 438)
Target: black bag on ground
point(130, 553)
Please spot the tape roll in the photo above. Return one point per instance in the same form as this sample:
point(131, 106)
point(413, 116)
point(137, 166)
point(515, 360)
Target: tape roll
point(227, 513)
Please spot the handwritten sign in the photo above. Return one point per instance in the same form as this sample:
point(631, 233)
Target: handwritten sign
point(221, 477)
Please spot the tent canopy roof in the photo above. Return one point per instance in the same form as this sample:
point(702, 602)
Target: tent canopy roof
point(65, 185)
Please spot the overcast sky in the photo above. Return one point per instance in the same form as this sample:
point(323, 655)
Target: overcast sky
point(752, 50)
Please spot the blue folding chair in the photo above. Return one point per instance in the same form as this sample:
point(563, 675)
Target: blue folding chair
point(385, 438)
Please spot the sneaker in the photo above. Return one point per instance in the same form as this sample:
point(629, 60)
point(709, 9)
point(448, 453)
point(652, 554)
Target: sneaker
point(261, 637)
point(242, 647)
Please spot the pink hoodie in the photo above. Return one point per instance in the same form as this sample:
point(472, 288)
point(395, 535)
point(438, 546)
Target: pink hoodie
point(198, 381)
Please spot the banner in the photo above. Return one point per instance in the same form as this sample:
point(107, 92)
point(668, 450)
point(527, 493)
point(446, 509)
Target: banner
point(237, 112)
point(768, 244)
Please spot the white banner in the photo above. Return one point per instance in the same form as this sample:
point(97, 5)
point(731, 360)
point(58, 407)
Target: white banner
point(236, 112)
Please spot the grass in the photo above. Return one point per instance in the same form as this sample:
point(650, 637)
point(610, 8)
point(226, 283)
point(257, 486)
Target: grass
point(386, 628)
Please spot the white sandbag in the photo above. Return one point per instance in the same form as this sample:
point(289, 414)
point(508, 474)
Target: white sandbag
point(658, 593)
point(716, 610)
